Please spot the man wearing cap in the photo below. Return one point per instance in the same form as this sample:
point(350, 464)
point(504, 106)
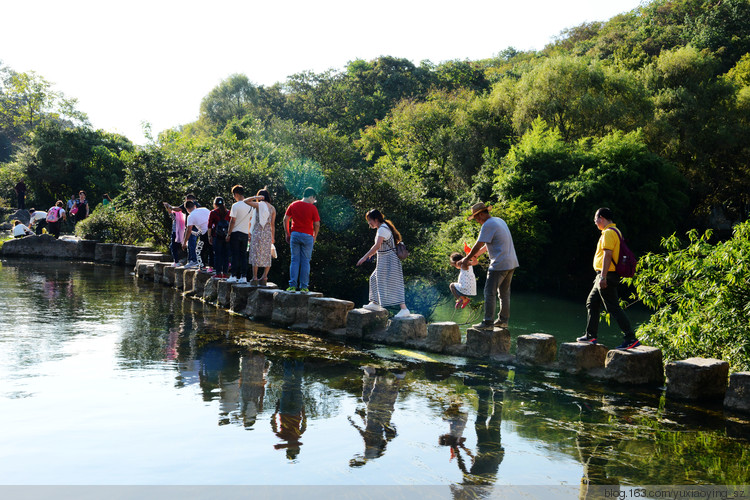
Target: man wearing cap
point(494, 238)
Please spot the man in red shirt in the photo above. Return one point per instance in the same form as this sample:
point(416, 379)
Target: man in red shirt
point(301, 236)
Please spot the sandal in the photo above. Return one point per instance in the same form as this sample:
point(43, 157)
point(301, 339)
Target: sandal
point(466, 301)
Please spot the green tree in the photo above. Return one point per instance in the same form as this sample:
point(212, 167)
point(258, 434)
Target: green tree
point(700, 294)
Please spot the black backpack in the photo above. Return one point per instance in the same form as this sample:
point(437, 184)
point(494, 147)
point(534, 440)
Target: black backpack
point(222, 227)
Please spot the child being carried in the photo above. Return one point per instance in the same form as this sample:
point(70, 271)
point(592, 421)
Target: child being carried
point(467, 283)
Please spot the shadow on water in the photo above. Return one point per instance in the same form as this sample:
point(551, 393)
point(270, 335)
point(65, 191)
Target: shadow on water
point(344, 414)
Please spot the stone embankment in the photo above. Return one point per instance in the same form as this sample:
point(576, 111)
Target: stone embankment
point(694, 379)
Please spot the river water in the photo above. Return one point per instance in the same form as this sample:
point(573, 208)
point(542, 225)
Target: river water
point(108, 380)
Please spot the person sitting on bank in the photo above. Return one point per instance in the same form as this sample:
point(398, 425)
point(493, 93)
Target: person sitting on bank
point(20, 230)
point(604, 291)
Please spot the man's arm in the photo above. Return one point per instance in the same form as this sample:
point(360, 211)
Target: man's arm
point(316, 229)
point(605, 268)
point(478, 249)
point(188, 232)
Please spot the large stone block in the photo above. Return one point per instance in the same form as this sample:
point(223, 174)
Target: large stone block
point(151, 255)
point(118, 254)
point(290, 308)
point(131, 254)
point(238, 296)
point(168, 276)
point(211, 290)
point(577, 357)
point(188, 277)
point(87, 249)
point(361, 323)
point(252, 300)
point(103, 252)
point(179, 277)
point(697, 378)
point(405, 329)
point(639, 366)
point(737, 397)
point(145, 270)
point(486, 343)
point(264, 303)
point(224, 293)
point(536, 349)
point(199, 281)
point(159, 271)
point(44, 246)
point(326, 314)
point(442, 335)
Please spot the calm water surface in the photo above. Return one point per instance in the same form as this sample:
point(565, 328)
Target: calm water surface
point(107, 380)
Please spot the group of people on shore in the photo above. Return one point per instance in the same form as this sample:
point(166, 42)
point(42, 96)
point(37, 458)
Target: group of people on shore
point(245, 237)
point(51, 221)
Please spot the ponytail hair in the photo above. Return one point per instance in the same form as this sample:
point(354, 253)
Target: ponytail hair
point(378, 216)
point(265, 194)
point(221, 207)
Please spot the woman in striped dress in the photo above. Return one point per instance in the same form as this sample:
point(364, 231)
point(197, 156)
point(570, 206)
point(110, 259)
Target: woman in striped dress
point(387, 281)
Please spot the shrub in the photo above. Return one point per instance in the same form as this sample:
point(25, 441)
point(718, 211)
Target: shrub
point(112, 226)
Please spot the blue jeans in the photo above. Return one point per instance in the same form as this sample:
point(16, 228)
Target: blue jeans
point(301, 245)
point(221, 255)
point(192, 242)
point(238, 247)
point(175, 247)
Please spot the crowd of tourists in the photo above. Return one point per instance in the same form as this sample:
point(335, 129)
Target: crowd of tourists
point(238, 244)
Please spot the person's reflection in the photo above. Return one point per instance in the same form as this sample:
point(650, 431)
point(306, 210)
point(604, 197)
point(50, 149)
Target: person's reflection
point(379, 393)
point(457, 420)
point(289, 421)
point(593, 452)
point(253, 370)
point(489, 452)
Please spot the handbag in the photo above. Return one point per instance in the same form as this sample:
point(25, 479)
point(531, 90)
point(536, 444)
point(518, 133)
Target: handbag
point(74, 210)
point(401, 252)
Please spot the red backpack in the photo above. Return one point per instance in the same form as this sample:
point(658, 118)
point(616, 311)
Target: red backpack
point(627, 263)
point(53, 214)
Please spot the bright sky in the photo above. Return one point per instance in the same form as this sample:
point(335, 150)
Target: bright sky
point(154, 60)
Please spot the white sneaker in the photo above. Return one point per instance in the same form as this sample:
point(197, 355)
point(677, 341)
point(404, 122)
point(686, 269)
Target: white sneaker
point(403, 313)
point(242, 281)
point(175, 264)
point(231, 279)
point(191, 265)
point(372, 306)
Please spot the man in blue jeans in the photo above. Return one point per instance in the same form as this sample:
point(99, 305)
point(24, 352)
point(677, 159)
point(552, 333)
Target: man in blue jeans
point(495, 238)
point(301, 236)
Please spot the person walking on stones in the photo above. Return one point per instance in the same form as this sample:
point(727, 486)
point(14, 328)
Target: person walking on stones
point(494, 238)
point(387, 280)
point(55, 217)
point(239, 227)
point(604, 291)
point(301, 224)
point(20, 189)
point(262, 234)
point(218, 228)
point(197, 225)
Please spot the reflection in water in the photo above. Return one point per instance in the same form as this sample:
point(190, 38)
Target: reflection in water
point(253, 372)
point(289, 421)
point(379, 393)
point(86, 334)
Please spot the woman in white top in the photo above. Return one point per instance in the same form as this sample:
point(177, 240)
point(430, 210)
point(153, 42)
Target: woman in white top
point(262, 234)
point(387, 281)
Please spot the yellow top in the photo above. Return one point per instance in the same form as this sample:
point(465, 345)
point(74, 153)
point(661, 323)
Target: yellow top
point(607, 241)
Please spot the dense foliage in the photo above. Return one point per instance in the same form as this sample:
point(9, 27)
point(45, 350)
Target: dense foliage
point(701, 296)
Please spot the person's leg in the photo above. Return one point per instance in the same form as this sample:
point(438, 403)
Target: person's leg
point(593, 306)
point(242, 238)
point(174, 248)
point(454, 291)
point(306, 250)
point(504, 292)
point(612, 304)
point(192, 242)
point(234, 245)
point(294, 247)
point(490, 295)
point(255, 272)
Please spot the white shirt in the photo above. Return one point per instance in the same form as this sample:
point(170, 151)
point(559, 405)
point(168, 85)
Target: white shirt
point(384, 232)
point(241, 214)
point(37, 216)
point(20, 230)
point(199, 219)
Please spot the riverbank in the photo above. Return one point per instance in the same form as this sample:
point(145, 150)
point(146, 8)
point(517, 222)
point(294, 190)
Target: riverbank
point(699, 380)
